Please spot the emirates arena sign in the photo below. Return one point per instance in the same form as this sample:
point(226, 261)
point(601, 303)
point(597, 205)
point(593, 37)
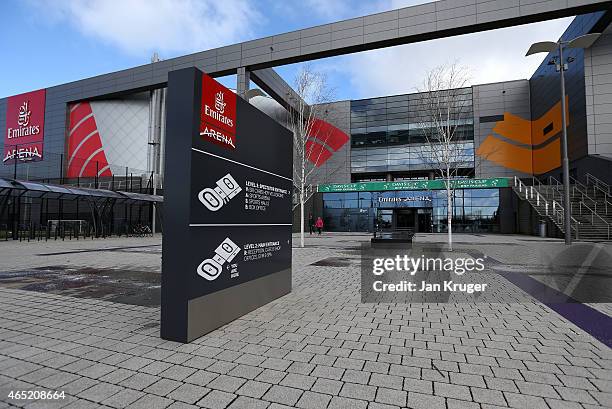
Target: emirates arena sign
point(25, 127)
point(227, 207)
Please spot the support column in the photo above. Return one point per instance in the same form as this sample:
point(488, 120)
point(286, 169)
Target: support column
point(243, 81)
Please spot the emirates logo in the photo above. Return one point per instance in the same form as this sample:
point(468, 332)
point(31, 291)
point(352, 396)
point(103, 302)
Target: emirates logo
point(219, 104)
point(24, 114)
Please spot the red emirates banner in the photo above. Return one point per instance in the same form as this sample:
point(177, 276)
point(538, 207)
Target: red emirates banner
point(25, 127)
point(218, 114)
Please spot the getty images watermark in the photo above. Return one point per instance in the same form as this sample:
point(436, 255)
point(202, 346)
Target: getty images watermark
point(428, 273)
point(410, 266)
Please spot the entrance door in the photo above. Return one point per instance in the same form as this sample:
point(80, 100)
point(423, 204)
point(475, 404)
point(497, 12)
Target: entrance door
point(404, 219)
point(424, 222)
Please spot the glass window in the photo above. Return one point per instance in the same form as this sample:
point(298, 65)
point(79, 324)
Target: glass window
point(332, 204)
point(333, 196)
point(358, 140)
point(376, 138)
point(485, 201)
point(365, 203)
point(397, 137)
point(350, 204)
point(485, 192)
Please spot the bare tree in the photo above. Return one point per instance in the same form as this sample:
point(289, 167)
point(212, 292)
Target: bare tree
point(444, 108)
point(312, 89)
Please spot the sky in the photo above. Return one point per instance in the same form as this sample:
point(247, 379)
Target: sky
point(46, 43)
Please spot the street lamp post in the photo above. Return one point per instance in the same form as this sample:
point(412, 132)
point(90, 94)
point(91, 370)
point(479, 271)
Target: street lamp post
point(584, 41)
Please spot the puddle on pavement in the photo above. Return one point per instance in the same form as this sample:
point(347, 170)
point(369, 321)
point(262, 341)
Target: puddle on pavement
point(122, 286)
point(336, 262)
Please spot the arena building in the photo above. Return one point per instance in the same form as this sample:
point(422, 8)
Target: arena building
point(108, 132)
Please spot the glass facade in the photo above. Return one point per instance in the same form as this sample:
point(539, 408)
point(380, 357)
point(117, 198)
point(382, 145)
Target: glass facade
point(474, 210)
point(388, 134)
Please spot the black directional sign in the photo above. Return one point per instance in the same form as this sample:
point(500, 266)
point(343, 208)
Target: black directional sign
point(227, 207)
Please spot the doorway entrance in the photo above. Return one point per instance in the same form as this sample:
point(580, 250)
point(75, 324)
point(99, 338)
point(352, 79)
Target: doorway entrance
point(424, 221)
point(417, 219)
point(405, 219)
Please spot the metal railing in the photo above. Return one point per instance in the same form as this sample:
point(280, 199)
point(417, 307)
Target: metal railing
point(602, 187)
point(558, 214)
point(598, 184)
point(554, 209)
point(594, 214)
point(581, 190)
point(532, 193)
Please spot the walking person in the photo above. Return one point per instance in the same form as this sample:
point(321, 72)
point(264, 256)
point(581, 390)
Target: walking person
point(311, 223)
point(319, 225)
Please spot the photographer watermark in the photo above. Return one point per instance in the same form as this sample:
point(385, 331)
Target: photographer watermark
point(411, 266)
point(430, 274)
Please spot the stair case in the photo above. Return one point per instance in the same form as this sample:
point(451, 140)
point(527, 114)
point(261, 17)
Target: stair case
point(591, 206)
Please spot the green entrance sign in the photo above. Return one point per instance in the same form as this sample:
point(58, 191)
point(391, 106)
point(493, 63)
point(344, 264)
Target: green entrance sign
point(413, 185)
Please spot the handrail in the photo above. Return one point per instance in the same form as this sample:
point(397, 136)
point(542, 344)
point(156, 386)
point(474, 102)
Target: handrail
point(559, 213)
point(530, 192)
point(593, 219)
point(554, 207)
point(602, 187)
point(578, 183)
point(583, 195)
point(598, 183)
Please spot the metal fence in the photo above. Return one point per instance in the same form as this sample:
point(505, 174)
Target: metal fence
point(29, 216)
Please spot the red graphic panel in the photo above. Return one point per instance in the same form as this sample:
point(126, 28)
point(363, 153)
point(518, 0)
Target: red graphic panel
point(324, 136)
point(218, 114)
point(316, 153)
point(25, 127)
point(328, 134)
point(86, 156)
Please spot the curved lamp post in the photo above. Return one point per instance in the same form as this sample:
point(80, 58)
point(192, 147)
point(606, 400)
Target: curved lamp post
point(584, 41)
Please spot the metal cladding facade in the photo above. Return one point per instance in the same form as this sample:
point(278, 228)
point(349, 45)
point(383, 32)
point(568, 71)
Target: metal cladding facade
point(500, 111)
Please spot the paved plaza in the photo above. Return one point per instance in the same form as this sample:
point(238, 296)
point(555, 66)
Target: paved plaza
point(73, 319)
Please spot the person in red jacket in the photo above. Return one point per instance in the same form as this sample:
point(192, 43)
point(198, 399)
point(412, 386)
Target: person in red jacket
point(319, 224)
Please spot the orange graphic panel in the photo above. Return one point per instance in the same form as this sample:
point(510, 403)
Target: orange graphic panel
point(506, 154)
point(551, 122)
point(514, 127)
point(528, 156)
point(547, 158)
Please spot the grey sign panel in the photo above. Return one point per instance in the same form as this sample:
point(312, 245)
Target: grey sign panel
point(227, 224)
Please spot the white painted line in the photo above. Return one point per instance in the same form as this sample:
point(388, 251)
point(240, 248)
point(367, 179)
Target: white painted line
point(75, 127)
point(103, 169)
point(89, 160)
point(80, 145)
point(584, 268)
point(242, 164)
point(236, 224)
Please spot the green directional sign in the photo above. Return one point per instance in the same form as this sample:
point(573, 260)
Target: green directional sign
point(413, 185)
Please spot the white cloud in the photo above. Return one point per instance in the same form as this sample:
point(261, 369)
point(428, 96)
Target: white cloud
point(491, 56)
point(169, 26)
point(329, 8)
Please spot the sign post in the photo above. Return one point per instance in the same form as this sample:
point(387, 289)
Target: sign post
point(227, 208)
